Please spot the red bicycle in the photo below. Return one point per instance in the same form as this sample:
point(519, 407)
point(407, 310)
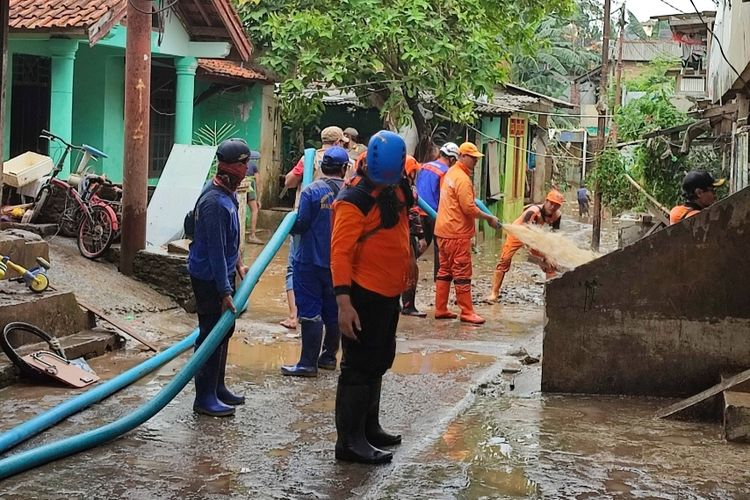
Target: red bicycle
point(91, 219)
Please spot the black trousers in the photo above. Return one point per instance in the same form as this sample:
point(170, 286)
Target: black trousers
point(369, 359)
point(428, 226)
point(208, 307)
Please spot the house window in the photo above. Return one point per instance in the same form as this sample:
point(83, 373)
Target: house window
point(163, 95)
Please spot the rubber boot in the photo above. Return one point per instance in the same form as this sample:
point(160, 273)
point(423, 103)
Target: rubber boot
point(331, 341)
point(225, 395)
point(352, 403)
point(409, 305)
point(463, 297)
point(375, 434)
point(312, 335)
point(206, 382)
point(497, 282)
point(442, 291)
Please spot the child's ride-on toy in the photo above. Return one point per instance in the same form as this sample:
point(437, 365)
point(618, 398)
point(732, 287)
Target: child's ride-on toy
point(35, 278)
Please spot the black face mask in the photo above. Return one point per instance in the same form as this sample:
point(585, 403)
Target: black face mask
point(230, 182)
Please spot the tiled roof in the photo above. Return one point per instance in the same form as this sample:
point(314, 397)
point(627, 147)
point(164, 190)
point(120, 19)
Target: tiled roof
point(230, 69)
point(59, 14)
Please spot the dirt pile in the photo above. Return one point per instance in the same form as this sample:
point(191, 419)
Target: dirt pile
point(558, 249)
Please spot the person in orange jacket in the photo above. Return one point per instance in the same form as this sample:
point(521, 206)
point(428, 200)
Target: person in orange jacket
point(545, 213)
point(699, 191)
point(454, 228)
point(371, 265)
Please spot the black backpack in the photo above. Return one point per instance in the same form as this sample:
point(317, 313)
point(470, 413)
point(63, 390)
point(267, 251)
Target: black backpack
point(188, 225)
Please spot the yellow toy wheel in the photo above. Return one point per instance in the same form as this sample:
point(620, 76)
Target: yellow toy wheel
point(40, 283)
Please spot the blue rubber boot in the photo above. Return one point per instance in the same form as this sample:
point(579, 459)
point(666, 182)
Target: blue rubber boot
point(312, 335)
point(224, 394)
point(206, 382)
point(331, 341)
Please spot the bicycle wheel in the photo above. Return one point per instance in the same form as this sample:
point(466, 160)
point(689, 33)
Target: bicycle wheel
point(95, 234)
point(39, 203)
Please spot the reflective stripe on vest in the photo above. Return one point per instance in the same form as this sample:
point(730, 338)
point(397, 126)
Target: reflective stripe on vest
point(432, 167)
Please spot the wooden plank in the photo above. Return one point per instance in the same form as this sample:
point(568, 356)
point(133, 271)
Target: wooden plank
point(117, 324)
point(702, 396)
point(661, 212)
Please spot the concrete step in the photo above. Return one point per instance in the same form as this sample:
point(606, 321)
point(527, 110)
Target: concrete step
point(737, 416)
point(84, 344)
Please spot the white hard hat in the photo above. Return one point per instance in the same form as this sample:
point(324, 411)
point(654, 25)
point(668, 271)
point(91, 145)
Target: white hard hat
point(450, 149)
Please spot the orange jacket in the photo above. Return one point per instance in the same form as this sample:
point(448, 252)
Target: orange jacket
point(681, 212)
point(379, 261)
point(532, 215)
point(457, 210)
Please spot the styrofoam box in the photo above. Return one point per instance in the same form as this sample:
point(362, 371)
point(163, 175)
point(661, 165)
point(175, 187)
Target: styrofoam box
point(26, 168)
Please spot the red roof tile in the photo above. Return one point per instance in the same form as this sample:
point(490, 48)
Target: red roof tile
point(230, 69)
point(59, 14)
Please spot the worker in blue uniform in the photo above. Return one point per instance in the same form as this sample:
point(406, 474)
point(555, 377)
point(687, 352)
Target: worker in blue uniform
point(312, 282)
point(213, 262)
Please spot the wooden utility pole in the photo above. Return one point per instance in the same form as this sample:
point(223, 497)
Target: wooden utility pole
point(137, 113)
point(618, 70)
point(601, 124)
point(4, 19)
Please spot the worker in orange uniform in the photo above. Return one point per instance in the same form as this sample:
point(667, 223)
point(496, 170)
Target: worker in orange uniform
point(699, 191)
point(545, 213)
point(371, 266)
point(454, 228)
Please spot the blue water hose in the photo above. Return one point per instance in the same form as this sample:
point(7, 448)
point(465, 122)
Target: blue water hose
point(59, 449)
point(45, 420)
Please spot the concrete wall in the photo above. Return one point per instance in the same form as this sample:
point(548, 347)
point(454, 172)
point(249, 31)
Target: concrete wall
point(664, 316)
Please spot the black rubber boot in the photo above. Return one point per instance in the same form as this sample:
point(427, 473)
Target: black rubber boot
point(373, 431)
point(351, 411)
point(409, 305)
point(222, 392)
point(206, 380)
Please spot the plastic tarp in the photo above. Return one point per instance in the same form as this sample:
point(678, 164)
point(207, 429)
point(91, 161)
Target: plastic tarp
point(178, 189)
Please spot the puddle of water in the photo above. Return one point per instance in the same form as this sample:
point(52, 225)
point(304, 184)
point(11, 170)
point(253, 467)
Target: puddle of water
point(577, 447)
point(422, 362)
point(267, 358)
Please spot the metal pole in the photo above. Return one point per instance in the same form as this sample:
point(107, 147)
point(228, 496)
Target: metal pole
point(137, 113)
point(618, 71)
point(4, 12)
point(601, 125)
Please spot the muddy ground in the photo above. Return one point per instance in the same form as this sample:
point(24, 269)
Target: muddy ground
point(474, 422)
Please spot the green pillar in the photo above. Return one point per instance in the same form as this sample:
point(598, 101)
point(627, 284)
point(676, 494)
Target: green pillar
point(63, 53)
point(183, 119)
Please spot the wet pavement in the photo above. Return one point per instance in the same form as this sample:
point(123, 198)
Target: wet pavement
point(473, 421)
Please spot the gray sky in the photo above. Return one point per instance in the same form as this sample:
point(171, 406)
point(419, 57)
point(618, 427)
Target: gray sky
point(644, 9)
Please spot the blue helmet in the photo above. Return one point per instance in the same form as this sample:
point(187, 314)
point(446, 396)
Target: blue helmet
point(386, 154)
point(335, 156)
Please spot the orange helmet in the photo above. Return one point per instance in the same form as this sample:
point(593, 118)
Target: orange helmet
point(555, 196)
point(411, 166)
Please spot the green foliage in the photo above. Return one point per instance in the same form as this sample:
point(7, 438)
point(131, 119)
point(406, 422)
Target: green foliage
point(655, 78)
point(565, 47)
point(657, 164)
point(213, 135)
point(391, 53)
point(649, 113)
point(617, 193)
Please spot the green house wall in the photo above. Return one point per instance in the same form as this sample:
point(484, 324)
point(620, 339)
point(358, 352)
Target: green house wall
point(98, 89)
